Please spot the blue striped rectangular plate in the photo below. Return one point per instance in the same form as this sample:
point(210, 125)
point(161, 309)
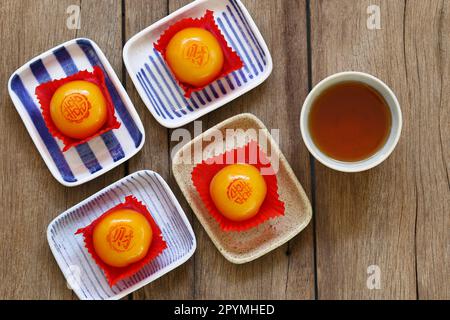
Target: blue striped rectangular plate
point(85, 278)
point(87, 161)
point(158, 87)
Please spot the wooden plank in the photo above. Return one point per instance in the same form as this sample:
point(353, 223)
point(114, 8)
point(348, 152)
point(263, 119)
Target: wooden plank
point(28, 270)
point(288, 271)
point(30, 196)
point(100, 22)
point(427, 44)
point(178, 284)
point(368, 218)
point(24, 216)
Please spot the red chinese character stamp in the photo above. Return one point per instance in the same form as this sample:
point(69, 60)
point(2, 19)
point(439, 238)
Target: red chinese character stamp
point(120, 238)
point(197, 53)
point(75, 107)
point(239, 191)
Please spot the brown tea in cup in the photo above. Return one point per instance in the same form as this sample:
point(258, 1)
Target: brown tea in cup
point(349, 121)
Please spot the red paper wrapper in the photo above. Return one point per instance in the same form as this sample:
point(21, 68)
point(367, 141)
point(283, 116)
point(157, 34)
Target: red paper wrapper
point(45, 91)
point(232, 61)
point(204, 172)
point(114, 274)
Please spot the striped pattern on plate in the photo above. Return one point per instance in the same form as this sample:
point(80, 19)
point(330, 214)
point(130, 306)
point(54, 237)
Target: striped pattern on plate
point(86, 161)
point(84, 276)
point(157, 85)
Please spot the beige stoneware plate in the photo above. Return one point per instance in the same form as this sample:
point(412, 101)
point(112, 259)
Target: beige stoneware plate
point(242, 247)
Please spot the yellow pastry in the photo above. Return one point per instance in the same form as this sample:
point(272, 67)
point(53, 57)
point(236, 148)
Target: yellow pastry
point(122, 238)
point(238, 191)
point(78, 109)
point(195, 56)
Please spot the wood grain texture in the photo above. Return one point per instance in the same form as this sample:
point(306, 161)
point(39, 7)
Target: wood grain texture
point(366, 218)
point(101, 22)
point(30, 195)
point(395, 216)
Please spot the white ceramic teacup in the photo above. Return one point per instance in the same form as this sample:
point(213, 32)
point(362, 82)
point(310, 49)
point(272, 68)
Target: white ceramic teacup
point(383, 152)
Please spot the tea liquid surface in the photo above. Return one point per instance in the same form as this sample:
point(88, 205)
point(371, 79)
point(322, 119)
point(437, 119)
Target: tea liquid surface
point(350, 121)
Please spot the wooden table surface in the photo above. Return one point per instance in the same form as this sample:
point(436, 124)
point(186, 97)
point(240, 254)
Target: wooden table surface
point(396, 216)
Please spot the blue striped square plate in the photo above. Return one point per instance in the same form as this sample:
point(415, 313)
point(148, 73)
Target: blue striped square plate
point(85, 278)
point(87, 161)
point(158, 87)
